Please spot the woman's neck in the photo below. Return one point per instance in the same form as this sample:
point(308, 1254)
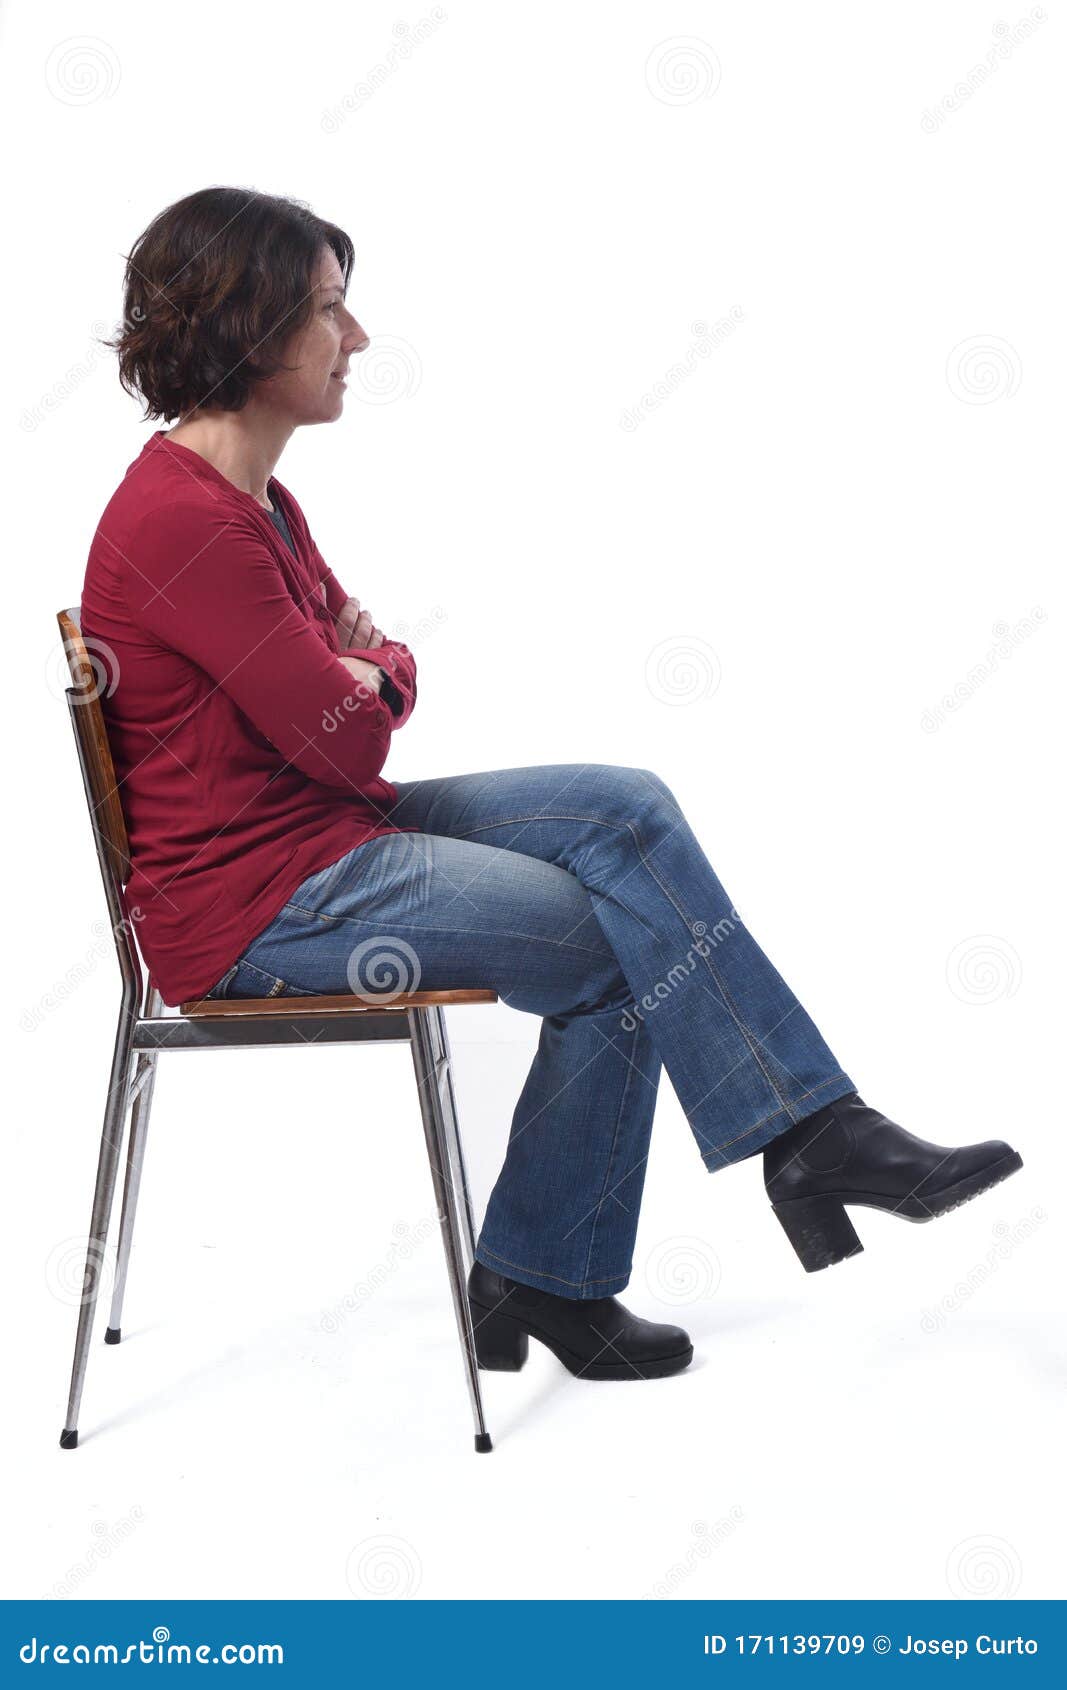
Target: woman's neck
point(244, 446)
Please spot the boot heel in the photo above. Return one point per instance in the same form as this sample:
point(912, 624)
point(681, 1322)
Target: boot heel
point(500, 1345)
point(819, 1230)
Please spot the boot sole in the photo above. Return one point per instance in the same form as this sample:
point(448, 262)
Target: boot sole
point(822, 1234)
point(502, 1345)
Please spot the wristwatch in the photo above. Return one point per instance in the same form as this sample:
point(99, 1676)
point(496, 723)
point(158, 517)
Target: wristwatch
point(388, 690)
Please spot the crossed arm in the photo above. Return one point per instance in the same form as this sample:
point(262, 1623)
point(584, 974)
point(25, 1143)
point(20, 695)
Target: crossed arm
point(207, 587)
point(356, 631)
point(391, 678)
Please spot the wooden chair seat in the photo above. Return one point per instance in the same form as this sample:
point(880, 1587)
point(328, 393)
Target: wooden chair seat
point(347, 1004)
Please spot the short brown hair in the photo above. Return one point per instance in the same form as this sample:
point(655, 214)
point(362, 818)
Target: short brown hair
point(214, 287)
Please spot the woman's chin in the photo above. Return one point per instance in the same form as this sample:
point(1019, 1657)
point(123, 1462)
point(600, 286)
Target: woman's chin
point(329, 409)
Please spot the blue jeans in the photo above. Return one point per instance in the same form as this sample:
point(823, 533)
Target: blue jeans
point(579, 893)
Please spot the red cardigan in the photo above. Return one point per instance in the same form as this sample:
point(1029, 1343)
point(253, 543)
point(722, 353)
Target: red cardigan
point(247, 756)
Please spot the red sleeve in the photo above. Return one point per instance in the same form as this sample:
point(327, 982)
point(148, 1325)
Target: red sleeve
point(399, 664)
point(392, 655)
point(336, 597)
point(210, 588)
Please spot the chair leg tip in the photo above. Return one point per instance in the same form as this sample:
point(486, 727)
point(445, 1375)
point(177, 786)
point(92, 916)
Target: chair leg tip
point(483, 1443)
point(113, 1335)
point(68, 1439)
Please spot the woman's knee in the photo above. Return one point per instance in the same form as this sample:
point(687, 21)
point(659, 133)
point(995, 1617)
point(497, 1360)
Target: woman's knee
point(658, 785)
point(628, 792)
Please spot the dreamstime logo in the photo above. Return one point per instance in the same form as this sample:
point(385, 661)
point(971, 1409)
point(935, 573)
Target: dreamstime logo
point(1007, 1241)
point(383, 1567)
point(988, 1567)
point(102, 662)
point(405, 1243)
point(69, 383)
point(106, 1539)
point(364, 693)
point(160, 1650)
point(983, 969)
point(1008, 638)
point(75, 1267)
point(423, 628)
point(102, 946)
point(388, 370)
point(983, 369)
point(681, 70)
point(682, 669)
point(681, 970)
point(407, 39)
point(383, 958)
point(82, 70)
point(1006, 38)
point(683, 1270)
point(706, 341)
point(706, 1539)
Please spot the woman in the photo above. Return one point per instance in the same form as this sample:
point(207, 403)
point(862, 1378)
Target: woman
point(250, 708)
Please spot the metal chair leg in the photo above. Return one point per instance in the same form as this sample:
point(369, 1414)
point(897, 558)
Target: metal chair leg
point(457, 1161)
point(103, 1198)
point(143, 1086)
point(450, 1207)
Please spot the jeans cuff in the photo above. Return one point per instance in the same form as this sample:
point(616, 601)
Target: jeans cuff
point(587, 1291)
point(758, 1137)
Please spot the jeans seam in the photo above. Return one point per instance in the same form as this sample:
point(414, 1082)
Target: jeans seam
point(631, 1068)
point(840, 1075)
point(265, 973)
point(280, 987)
point(739, 1022)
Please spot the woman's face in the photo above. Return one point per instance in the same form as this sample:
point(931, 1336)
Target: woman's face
point(314, 391)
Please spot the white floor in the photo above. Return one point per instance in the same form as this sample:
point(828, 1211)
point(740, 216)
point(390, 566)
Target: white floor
point(287, 1416)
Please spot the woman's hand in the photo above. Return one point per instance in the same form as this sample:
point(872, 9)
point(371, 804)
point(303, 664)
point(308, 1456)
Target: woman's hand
point(356, 629)
point(368, 673)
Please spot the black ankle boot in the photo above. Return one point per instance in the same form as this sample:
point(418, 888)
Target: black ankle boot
point(848, 1153)
point(594, 1339)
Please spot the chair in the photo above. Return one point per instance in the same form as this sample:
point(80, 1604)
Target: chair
point(144, 1030)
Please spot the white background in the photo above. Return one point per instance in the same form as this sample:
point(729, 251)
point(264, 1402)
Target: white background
point(763, 588)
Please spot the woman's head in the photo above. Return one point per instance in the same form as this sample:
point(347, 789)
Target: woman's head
point(233, 296)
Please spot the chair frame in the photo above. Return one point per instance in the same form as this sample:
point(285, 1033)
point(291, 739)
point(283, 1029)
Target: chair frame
point(145, 1030)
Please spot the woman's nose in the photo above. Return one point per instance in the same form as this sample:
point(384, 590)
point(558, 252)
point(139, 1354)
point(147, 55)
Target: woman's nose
point(358, 340)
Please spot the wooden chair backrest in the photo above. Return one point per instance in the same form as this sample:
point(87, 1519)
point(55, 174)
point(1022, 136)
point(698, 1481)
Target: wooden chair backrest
point(89, 678)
